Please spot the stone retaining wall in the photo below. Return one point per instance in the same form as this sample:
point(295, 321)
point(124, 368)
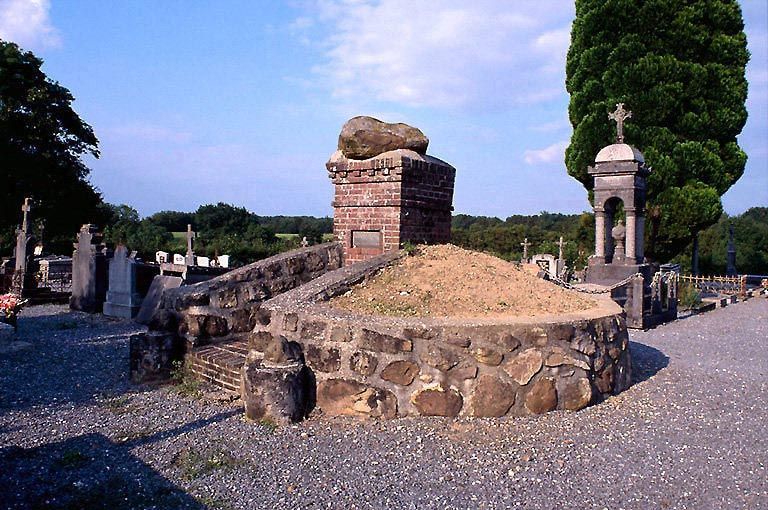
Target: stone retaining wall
point(228, 307)
point(385, 367)
point(223, 309)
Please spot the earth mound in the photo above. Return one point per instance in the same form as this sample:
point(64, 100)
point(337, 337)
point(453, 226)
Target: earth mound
point(448, 281)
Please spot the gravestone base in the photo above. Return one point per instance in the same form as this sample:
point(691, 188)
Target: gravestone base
point(600, 273)
point(122, 307)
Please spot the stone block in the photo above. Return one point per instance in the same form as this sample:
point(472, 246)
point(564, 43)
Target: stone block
point(278, 393)
point(379, 342)
point(542, 397)
point(312, 330)
point(322, 359)
point(524, 366)
point(152, 356)
point(400, 372)
point(487, 356)
point(438, 401)
point(438, 357)
point(507, 341)
point(259, 340)
point(364, 363)
point(278, 350)
point(575, 393)
point(227, 298)
point(343, 397)
point(492, 397)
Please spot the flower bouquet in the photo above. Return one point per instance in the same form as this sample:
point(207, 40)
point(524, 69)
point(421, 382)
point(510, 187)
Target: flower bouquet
point(10, 306)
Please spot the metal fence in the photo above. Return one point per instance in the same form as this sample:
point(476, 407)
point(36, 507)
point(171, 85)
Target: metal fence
point(718, 284)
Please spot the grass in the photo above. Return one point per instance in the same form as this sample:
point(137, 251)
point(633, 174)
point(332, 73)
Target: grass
point(193, 464)
point(118, 404)
point(184, 382)
point(688, 296)
point(66, 325)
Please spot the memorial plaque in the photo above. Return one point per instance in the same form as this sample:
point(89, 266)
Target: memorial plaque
point(366, 239)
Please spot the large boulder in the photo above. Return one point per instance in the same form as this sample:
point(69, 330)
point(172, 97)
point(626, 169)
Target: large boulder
point(365, 137)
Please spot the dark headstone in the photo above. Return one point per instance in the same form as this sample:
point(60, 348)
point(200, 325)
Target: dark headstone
point(151, 301)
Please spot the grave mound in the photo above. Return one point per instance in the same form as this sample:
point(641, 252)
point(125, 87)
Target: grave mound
point(448, 281)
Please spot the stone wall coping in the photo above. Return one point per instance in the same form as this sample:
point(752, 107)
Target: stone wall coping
point(236, 274)
point(397, 158)
point(311, 298)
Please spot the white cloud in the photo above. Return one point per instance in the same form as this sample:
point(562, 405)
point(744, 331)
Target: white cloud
point(555, 153)
point(443, 53)
point(26, 22)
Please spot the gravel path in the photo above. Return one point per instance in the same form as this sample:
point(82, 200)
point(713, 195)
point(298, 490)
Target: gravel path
point(691, 433)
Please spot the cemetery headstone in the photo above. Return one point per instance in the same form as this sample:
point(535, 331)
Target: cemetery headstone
point(203, 261)
point(190, 257)
point(546, 262)
point(123, 299)
point(23, 277)
point(223, 260)
point(161, 257)
point(179, 259)
point(152, 300)
point(90, 276)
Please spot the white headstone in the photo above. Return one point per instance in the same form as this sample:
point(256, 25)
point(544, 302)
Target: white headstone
point(546, 262)
point(161, 257)
point(179, 259)
point(223, 260)
point(203, 262)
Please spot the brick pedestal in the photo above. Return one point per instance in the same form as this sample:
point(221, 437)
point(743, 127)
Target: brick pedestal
point(396, 197)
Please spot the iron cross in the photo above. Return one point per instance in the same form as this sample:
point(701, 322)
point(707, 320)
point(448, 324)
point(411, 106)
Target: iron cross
point(620, 115)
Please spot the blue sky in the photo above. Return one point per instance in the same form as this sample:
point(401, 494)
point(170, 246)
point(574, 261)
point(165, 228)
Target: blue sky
point(199, 102)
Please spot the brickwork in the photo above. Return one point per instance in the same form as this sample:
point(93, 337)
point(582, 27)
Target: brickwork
point(393, 198)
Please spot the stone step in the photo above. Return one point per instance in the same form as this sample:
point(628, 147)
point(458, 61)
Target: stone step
point(219, 364)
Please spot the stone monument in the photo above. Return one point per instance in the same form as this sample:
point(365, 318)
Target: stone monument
point(387, 190)
point(90, 277)
point(127, 278)
point(620, 176)
point(23, 277)
point(620, 173)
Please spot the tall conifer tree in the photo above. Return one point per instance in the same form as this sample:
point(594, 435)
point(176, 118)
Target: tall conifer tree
point(679, 65)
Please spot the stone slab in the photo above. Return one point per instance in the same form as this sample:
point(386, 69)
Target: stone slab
point(153, 298)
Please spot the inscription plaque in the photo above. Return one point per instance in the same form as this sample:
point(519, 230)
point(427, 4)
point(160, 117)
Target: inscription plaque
point(366, 239)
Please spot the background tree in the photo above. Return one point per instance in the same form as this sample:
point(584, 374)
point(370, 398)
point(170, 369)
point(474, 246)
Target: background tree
point(42, 140)
point(679, 65)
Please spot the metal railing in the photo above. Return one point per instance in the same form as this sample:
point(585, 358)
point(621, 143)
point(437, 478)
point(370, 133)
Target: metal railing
point(718, 284)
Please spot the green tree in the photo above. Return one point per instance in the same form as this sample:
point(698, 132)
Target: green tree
point(42, 141)
point(679, 65)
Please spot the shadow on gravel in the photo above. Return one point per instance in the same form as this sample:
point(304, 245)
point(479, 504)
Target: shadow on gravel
point(646, 361)
point(88, 471)
point(72, 358)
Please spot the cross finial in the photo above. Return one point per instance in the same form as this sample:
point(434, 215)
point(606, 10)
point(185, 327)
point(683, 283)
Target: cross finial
point(25, 208)
point(525, 244)
point(620, 115)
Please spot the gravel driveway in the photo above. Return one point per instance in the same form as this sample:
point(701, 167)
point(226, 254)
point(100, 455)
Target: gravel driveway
point(691, 433)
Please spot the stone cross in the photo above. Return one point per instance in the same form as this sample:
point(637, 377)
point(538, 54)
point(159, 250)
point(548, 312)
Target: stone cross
point(560, 245)
point(22, 240)
point(25, 208)
point(191, 235)
point(620, 115)
point(525, 244)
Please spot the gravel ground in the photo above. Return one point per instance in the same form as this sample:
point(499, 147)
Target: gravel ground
point(691, 433)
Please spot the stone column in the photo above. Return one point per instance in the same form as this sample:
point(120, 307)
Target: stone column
point(631, 251)
point(640, 238)
point(599, 233)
